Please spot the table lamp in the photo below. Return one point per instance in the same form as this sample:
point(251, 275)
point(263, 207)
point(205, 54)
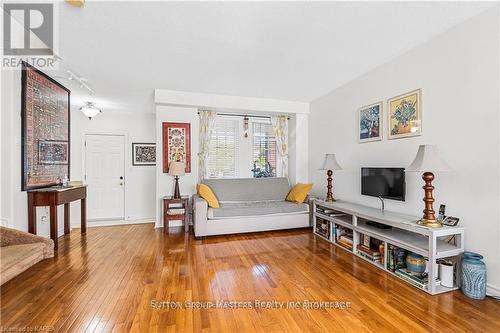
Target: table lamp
point(428, 161)
point(330, 163)
point(176, 169)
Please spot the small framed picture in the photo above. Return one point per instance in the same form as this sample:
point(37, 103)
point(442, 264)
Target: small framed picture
point(451, 221)
point(442, 212)
point(366, 241)
point(370, 123)
point(143, 154)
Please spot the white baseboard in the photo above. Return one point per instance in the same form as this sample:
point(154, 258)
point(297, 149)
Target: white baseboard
point(106, 223)
point(172, 223)
point(493, 291)
point(4, 222)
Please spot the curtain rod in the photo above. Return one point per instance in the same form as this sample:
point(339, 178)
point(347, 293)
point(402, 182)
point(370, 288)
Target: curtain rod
point(244, 115)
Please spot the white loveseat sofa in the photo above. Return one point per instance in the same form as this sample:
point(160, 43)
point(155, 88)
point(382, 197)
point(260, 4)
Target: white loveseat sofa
point(248, 205)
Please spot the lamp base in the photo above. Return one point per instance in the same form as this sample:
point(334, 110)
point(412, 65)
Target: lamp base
point(329, 193)
point(177, 192)
point(430, 223)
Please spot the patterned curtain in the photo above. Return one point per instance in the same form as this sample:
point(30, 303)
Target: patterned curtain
point(280, 130)
point(207, 123)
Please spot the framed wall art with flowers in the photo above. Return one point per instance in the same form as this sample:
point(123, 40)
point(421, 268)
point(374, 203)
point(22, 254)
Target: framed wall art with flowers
point(370, 123)
point(405, 115)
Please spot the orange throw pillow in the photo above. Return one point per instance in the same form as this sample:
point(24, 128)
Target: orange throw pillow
point(299, 193)
point(206, 193)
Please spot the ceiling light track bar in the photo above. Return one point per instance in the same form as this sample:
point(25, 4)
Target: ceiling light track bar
point(243, 115)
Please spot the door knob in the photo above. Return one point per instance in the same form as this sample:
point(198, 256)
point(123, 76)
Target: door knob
point(121, 177)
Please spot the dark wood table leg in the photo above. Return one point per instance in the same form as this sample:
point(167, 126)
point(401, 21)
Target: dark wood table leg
point(53, 224)
point(84, 215)
point(31, 214)
point(187, 210)
point(66, 219)
point(166, 220)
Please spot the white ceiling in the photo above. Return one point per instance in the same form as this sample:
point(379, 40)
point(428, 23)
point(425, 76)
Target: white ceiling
point(294, 51)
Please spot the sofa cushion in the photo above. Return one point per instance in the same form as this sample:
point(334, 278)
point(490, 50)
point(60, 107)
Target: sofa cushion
point(249, 189)
point(299, 193)
point(17, 258)
point(206, 193)
point(256, 208)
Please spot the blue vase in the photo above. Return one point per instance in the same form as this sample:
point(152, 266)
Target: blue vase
point(473, 275)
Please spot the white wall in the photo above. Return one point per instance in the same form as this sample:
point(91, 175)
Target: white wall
point(140, 181)
point(140, 186)
point(458, 73)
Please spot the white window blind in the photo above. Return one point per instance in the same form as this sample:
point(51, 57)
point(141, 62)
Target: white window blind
point(223, 153)
point(264, 154)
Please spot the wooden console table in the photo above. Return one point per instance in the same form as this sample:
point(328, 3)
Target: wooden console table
point(53, 197)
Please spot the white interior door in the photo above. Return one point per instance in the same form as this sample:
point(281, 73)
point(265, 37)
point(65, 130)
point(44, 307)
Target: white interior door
point(105, 176)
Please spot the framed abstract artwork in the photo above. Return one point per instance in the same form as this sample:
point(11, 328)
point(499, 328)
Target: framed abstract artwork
point(176, 144)
point(370, 123)
point(45, 130)
point(143, 154)
point(405, 115)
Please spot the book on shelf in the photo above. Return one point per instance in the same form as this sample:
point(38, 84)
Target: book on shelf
point(346, 239)
point(372, 256)
point(344, 244)
point(396, 257)
point(371, 252)
point(418, 279)
point(176, 211)
point(367, 256)
point(337, 215)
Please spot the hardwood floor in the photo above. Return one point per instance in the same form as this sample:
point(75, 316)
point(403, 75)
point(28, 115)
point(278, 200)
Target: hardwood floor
point(108, 280)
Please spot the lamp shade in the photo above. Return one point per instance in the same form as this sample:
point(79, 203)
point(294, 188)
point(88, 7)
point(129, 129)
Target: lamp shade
point(177, 168)
point(428, 160)
point(330, 163)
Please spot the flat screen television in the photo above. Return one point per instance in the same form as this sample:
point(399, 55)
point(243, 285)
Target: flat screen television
point(387, 183)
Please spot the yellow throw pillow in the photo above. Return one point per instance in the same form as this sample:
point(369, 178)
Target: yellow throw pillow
point(299, 193)
point(206, 193)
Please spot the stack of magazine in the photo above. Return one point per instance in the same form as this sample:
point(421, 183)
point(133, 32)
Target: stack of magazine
point(370, 254)
point(420, 280)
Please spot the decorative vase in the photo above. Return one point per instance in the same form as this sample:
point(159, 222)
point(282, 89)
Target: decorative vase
point(382, 253)
point(473, 275)
point(415, 263)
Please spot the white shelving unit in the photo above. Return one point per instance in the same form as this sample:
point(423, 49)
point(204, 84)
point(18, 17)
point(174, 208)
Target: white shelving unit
point(405, 233)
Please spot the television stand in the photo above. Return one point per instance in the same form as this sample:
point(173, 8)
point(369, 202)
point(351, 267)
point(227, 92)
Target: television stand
point(345, 224)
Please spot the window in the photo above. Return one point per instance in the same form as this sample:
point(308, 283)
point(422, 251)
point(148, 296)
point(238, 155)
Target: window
point(231, 154)
point(223, 149)
point(263, 150)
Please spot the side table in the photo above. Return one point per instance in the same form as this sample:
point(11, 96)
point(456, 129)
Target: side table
point(170, 203)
